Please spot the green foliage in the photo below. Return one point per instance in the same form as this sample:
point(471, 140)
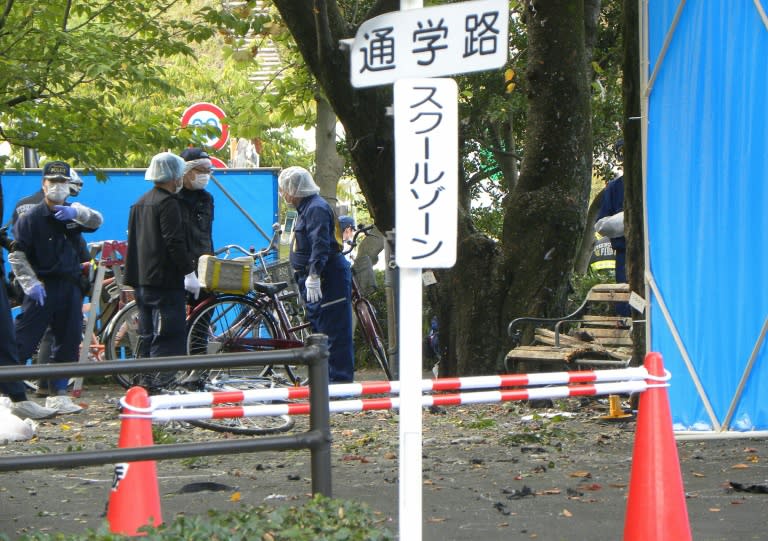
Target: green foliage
point(320, 519)
point(103, 83)
point(67, 67)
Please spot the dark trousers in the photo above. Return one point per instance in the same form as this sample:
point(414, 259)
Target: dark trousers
point(8, 353)
point(162, 321)
point(63, 311)
point(332, 316)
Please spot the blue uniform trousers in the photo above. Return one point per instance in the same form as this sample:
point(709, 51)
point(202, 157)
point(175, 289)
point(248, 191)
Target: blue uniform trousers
point(332, 316)
point(63, 311)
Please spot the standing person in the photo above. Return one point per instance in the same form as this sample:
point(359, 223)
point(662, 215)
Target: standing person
point(46, 263)
point(158, 264)
point(22, 407)
point(197, 203)
point(323, 274)
point(611, 205)
point(347, 224)
point(45, 348)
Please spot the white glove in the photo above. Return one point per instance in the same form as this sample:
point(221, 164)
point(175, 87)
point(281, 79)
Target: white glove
point(314, 294)
point(192, 284)
point(611, 226)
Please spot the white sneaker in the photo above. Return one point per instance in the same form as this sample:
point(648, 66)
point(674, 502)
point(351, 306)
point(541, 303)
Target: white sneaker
point(31, 410)
point(62, 404)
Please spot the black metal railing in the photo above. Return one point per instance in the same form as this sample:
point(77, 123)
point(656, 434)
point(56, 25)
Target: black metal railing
point(317, 439)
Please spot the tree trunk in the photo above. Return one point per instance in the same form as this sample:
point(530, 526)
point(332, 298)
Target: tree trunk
point(527, 272)
point(330, 165)
point(633, 172)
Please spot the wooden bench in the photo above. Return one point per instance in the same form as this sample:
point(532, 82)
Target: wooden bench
point(590, 337)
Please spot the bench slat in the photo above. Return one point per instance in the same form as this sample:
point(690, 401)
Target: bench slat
point(611, 342)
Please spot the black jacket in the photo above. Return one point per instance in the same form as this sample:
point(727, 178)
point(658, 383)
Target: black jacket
point(157, 245)
point(197, 213)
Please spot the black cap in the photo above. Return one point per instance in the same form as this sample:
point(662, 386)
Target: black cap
point(194, 153)
point(54, 170)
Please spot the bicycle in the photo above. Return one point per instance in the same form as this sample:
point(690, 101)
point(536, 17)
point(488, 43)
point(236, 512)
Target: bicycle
point(366, 315)
point(221, 323)
point(268, 318)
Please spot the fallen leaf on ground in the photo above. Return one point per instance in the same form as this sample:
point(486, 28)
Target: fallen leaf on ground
point(350, 458)
point(580, 474)
point(697, 474)
point(566, 513)
point(739, 466)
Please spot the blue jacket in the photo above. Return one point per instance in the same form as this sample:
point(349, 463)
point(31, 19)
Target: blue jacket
point(613, 202)
point(52, 247)
point(314, 236)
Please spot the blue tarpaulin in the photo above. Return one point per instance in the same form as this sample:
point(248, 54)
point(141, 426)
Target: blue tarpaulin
point(706, 167)
point(255, 190)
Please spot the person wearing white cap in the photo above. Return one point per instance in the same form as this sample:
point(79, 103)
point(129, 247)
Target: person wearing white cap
point(322, 272)
point(158, 264)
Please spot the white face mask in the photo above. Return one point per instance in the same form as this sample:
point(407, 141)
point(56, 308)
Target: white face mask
point(57, 193)
point(200, 181)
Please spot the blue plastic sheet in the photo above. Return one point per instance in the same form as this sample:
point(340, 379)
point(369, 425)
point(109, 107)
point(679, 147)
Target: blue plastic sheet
point(707, 194)
point(255, 190)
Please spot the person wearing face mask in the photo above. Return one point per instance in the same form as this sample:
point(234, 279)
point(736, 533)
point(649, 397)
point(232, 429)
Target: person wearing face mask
point(158, 262)
point(197, 202)
point(46, 263)
point(323, 274)
point(197, 207)
point(45, 348)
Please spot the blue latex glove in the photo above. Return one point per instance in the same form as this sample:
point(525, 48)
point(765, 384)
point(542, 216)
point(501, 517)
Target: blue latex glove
point(37, 294)
point(64, 212)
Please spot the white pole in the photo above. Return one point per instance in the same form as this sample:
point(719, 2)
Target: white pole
point(410, 490)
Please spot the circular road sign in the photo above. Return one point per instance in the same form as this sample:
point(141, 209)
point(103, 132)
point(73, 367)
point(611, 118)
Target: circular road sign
point(202, 113)
point(217, 163)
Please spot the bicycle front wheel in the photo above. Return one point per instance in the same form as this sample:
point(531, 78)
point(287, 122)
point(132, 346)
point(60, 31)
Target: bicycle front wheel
point(236, 323)
point(253, 426)
point(123, 343)
point(371, 330)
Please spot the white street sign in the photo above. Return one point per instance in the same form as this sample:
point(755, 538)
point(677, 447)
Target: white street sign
point(426, 172)
point(430, 42)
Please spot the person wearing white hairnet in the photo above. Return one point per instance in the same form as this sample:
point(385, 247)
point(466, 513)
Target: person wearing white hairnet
point(322, 272)
point(158, 264)
point(197, 202)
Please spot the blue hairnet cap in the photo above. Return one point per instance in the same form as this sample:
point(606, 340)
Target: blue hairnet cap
point(346, 221)
point(164, 167)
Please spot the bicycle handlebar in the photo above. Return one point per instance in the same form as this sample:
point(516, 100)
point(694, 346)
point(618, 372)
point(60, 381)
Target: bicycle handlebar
point(251, 251)
point(353, 243)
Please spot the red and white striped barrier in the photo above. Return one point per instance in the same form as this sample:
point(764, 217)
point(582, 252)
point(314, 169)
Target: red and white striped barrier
point(454, 399)
point(393, 387)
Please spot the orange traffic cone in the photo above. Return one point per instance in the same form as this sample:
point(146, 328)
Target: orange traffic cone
point(656, 509)
point(135, 497)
